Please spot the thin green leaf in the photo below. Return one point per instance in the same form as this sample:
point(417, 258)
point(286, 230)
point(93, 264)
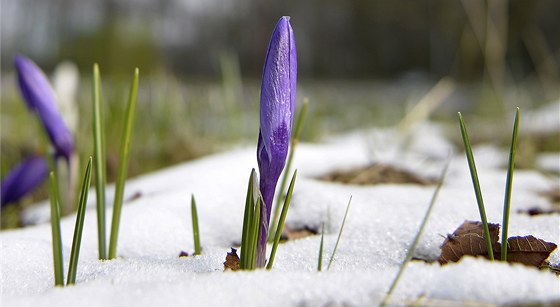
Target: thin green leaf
point(509, 182)
point(320, 261)
point(55, 227)
point(196, 233)
point(339, 234)
point(418, 235)
point(99, 155)
point(476, 185)
point(243, 261)
point(123, 165)
point(255, 233)
point(295, 140)
point(280, 225)
point(77, 241)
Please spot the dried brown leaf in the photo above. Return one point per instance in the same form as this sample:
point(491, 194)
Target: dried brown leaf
point(468, 239)
point(232, 260)
point(529, 250)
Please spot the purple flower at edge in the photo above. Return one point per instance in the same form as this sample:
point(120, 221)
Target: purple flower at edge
point(40, 98)
point(23, 178)
point(278, 98)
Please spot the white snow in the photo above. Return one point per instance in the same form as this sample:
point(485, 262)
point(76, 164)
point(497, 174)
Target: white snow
point(381, 224)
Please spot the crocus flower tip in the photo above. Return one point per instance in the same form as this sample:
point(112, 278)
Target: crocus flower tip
point(40, 98)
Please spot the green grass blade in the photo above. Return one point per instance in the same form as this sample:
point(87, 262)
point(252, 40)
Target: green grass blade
point(418, 235)
point(196, 233)
point(55, 227)
point(77, 241)
point(295, 140)
point(320, 261)
point(509, 181)
point(247, 217)
point(99, 155)
point(123, 165)
point(339, 234)
point(476, 185)
point(254, 236)
point(280, 225)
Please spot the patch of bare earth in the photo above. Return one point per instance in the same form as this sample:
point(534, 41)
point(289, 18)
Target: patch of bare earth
point(377, 174)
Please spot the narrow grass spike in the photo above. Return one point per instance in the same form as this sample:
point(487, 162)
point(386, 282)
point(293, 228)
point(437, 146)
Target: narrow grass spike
point(295, 140)
point(476, 185)
point(123, 165)
point(80, 216)
point(320, 261)
point(339, 234)
point(247, 216)
point(55, 227)
point(509, 181)
point(99, 155)
point(255, 233)
point(280, 225)
point(418, 235)
point(196, 233)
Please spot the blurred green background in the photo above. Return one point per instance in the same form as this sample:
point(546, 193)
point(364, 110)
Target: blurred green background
point(361, 64)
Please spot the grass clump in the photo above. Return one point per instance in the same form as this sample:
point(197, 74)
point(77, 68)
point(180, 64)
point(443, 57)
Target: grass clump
point(508, 188)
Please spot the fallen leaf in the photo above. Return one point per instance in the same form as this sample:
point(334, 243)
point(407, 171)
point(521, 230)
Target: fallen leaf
point(232, 260)
point(183, 254)
point(468, 239)
point(528, 250)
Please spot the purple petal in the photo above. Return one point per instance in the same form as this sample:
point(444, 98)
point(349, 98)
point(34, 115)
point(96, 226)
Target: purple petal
point(278, 97)
point(278, 89)
point(24, 178)
point(40, 98)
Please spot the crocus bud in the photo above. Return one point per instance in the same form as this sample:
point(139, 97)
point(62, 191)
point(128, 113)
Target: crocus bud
point(40, 98)
point(24, 178)
point(278, 98)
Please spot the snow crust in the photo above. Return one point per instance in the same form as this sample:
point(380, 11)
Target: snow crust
point(382, 222)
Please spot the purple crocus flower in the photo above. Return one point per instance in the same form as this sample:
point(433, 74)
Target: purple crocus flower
point(278, 98)
point(40, 98)
point(24, 178)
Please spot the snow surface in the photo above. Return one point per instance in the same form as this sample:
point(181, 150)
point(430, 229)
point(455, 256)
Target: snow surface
point(382, 222)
